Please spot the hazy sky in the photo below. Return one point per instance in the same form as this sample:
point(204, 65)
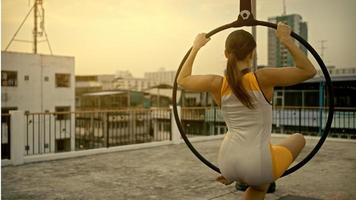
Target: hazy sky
point(109, 35)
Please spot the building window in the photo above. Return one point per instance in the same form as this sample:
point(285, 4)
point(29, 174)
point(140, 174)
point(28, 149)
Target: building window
point(27, 77)
point(62, 112)
point(6, 110)
point(62, 80)
point(46, 78)
point(9, 78)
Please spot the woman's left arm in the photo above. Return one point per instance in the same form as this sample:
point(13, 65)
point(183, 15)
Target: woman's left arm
point(198, 83)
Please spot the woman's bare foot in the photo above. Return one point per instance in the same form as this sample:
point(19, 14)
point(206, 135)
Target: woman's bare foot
point(223, 180)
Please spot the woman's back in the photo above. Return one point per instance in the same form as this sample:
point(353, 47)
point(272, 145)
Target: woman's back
point(237, 116)
point(248, 134)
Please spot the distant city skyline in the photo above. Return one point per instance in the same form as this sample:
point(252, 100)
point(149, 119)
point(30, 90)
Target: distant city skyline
point(278, 54)
point(130, 35)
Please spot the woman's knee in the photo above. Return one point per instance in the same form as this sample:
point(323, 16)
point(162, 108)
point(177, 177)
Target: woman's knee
point(294, 143)
point(300, 137)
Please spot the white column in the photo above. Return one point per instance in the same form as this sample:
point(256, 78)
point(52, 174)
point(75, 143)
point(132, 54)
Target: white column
point(72, 131)
point(176, 138)
point(17, 137)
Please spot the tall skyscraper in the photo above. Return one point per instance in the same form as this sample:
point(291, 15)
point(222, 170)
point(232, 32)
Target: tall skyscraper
point(278, 55)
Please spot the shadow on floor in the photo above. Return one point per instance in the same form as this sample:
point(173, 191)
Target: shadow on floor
point(292, 197)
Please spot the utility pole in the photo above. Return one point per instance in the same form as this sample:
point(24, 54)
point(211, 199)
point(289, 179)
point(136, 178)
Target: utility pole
point(35, 28)
point(321, 89)
point(322, 48)
point(284, 8)
point(254, 33)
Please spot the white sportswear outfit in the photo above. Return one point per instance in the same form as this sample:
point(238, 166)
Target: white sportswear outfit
point(245, 154)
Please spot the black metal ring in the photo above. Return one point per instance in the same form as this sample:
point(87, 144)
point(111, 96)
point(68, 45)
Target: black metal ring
point(253, 22)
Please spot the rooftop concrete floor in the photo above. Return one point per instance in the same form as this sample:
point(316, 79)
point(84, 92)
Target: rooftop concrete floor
point(172, 172)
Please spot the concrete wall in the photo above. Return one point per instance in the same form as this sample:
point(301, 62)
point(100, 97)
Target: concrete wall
point(36, 94)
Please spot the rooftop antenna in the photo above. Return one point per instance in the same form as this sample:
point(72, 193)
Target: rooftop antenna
point(39, 31)
point(284, 8)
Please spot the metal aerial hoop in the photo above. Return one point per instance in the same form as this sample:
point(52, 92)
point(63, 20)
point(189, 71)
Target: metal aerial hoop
point(246, 18)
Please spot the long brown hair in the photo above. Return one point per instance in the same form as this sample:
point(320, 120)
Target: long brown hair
point(239, 44)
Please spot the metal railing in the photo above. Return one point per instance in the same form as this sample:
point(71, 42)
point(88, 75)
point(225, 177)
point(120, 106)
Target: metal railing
point(72, 131)
point(287, 119)
point(69, 131)
point(121, 127)
point(311, 121)
point(48, 132)
point(199, 121)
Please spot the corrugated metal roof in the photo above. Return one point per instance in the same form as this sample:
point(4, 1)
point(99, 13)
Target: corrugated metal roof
point(333, 78)
point(104, 93)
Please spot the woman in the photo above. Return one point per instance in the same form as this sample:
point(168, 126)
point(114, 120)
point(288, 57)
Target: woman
point(246, 153)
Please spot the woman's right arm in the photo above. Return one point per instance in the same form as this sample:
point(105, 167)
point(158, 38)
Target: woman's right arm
point(286, 76)
point(199, 83)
